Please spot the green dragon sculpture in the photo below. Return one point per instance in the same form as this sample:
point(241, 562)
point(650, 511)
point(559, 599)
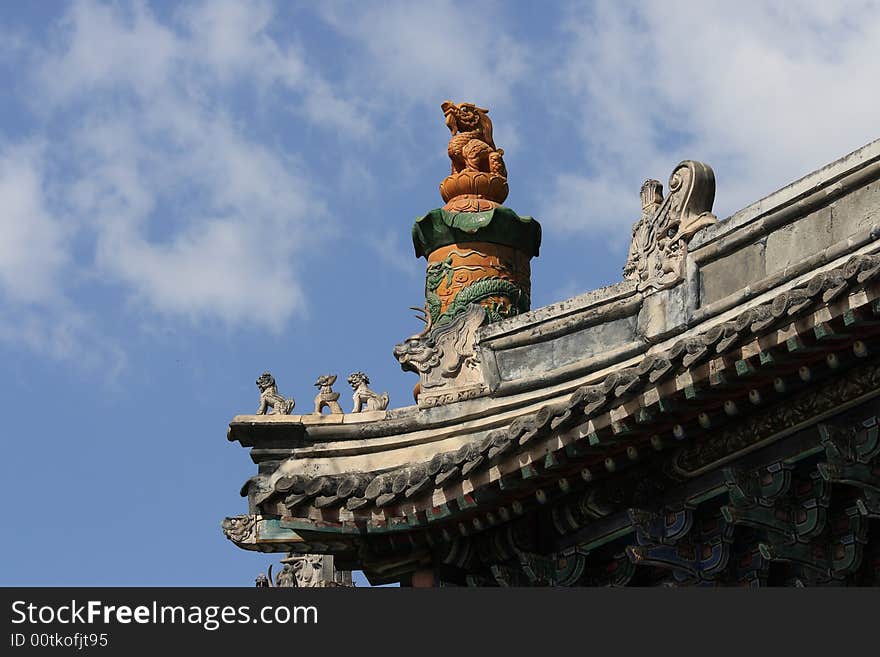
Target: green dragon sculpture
point(476, 292)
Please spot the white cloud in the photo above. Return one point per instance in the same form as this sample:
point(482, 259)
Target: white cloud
point(63, 333)
point(417, 52)
point(580, 202)
point(394, 252)
point(150, 178)
point(104, 46)
point(763, 92)
point(33, 244)
point(36, 267)
point(193, 213)
point(230, 39)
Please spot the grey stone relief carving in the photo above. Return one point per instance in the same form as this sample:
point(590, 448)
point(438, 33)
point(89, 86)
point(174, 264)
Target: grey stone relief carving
point(306, 571)
point(239, 529)
point(363, 397)
point(660, 237)
point(447, 359)
point(270, 399)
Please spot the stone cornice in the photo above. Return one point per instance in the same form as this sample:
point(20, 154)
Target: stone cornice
point(819, 187)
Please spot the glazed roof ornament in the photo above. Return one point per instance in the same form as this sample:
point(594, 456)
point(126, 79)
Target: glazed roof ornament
point(479, 178)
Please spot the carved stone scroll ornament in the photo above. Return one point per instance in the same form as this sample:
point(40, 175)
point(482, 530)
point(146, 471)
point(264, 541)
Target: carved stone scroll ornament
point(326, 397)
point(269, 397)
point(364, 398)
point(661, 236)
point(446, 359)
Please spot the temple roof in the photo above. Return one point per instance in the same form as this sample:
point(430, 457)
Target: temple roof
point(777, 303)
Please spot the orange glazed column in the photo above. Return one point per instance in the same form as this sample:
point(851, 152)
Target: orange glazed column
point(478, 251)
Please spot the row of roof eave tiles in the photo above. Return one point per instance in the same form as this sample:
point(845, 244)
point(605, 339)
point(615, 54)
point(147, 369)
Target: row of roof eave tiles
point(786, 507)
point(368, 495)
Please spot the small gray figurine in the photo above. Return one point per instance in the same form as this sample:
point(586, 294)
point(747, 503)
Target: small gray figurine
point(326, 396)
point(364, 398)
point(269, 397)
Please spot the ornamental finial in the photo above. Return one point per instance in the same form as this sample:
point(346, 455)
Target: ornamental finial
point(479, 178)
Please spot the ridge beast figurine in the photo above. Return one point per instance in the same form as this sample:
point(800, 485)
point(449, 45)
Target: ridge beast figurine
point(478, 181)
point(269, 397)
point(363, 397)
point(471, 147)
point(326, 396)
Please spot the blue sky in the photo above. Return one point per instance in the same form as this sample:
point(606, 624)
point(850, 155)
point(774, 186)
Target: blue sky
point(192, 193)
